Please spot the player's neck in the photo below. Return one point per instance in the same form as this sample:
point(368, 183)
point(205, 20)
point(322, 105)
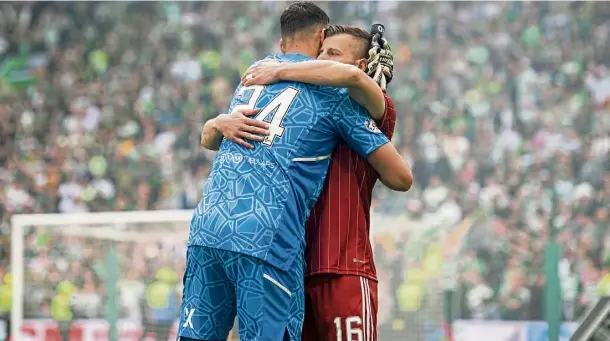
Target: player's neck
point(300, 48)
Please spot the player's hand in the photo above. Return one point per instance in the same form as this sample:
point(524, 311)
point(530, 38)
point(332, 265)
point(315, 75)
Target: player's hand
point(381, 62)
point(264, 73)
point(239, 127)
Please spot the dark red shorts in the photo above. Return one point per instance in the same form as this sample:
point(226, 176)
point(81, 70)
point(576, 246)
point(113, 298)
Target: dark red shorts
point(340, 308)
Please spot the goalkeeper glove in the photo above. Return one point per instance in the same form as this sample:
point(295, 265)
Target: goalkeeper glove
point(381, 62)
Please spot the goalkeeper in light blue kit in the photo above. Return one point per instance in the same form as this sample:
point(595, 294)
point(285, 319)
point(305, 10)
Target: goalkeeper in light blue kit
point(247, 236)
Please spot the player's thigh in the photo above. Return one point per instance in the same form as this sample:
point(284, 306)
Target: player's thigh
point(270, 303)
point(343, 308)
point(208, 304)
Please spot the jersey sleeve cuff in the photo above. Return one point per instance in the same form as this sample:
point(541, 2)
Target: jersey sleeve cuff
point(373, 149)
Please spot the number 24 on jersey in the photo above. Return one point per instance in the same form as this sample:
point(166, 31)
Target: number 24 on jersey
point(277, 109)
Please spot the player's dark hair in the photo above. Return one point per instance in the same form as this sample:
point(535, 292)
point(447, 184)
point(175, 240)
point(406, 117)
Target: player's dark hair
point(363, 36)
point(301, 16)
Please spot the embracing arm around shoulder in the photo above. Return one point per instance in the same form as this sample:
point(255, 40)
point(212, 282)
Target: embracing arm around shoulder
point(360, 86)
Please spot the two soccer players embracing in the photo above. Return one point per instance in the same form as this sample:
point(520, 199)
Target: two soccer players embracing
point(309, 158)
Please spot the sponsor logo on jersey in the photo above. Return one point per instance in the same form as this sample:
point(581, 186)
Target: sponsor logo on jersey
point(238, 158)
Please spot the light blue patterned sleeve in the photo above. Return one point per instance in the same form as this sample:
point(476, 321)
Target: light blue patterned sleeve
point(357, 127)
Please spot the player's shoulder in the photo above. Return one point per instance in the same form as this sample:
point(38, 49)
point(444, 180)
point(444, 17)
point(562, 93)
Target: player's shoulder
point(390, 108)
point(321, 93)
point(339, 94)
point(388, 100)
point(346, 102)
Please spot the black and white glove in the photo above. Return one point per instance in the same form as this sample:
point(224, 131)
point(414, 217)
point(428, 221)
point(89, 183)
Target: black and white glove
point(381, 62)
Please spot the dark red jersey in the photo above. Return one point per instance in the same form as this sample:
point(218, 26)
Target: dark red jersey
point(339, 224)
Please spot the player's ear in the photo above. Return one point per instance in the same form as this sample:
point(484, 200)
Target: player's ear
point(362, 64)
point(282, 47)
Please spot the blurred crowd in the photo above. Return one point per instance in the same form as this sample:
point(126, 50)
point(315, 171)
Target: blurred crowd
point(503, 113)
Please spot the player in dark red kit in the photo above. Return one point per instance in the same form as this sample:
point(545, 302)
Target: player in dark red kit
point(341, 281)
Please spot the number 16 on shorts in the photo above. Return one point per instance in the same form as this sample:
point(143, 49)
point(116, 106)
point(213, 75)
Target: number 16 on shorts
point(340, 308)
point(351, 326)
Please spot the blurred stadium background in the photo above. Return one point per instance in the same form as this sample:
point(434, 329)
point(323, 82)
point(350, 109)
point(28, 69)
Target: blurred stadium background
point(503, 113)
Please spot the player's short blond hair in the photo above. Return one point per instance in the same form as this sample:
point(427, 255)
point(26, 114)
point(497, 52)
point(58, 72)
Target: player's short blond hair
point(363, 36)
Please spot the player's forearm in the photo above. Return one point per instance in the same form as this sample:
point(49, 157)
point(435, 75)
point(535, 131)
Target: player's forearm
point(320, 72)
point(393, 170)
point(211, 137)
point(361, 87)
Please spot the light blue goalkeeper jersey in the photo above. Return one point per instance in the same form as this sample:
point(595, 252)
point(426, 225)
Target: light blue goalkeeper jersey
point(257, 201)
